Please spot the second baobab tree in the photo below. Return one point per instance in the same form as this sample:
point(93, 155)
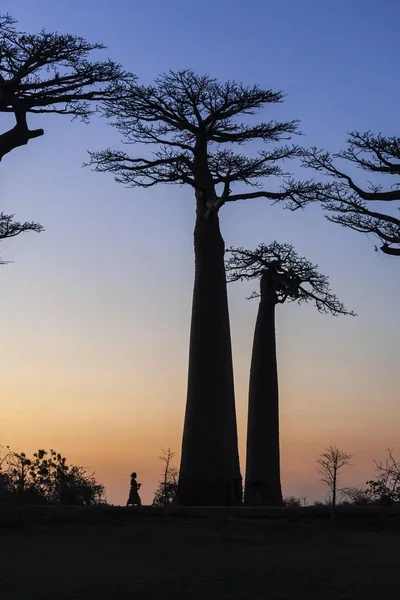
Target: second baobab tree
point(192, 122)
point(284, 277)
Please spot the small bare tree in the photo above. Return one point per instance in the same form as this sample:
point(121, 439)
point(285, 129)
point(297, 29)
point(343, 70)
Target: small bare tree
point(328, 466)
point(167, 486)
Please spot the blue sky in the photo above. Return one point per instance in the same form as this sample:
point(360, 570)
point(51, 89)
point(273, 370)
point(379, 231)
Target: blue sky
point(96, 309)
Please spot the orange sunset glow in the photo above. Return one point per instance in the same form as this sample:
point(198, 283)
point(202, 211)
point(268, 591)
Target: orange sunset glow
point(95, 311)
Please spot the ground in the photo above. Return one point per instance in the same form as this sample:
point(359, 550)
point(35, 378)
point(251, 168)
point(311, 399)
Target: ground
point(198, 555)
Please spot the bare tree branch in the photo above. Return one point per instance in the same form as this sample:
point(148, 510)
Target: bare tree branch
point(353, 206)
point(10, 228)
point(50, 73)
point(297, 193)
point(389, 473)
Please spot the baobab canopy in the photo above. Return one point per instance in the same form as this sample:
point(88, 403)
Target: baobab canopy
point(296, 278)
point(178, 110)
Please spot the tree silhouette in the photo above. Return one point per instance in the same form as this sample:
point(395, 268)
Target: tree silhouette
point(284, 277)
point(10, 228)
point(356, 207)
point(191, 119)
point(386, 488)
point(49, 72)
point(46, 478)
point(168, 484)
point(328, 466)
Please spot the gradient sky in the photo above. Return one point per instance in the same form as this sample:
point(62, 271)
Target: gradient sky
point(96, 310)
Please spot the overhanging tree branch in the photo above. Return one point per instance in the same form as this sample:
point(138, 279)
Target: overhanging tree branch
point(51, 73)
point(10, 228)
point(353, 206)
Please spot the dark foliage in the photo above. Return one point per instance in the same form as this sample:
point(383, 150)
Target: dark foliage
point(355, 496)
point(292, 502)
point(46, 478)
point(386, 488)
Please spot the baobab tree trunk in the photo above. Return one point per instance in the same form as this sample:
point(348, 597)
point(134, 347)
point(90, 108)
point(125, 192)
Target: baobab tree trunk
point(209, 471)
point(263, 482)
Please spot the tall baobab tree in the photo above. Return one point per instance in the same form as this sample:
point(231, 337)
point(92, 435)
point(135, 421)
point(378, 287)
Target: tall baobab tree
point(191, 120)
point(372, 210)
point(284, 277)
point(48, 72)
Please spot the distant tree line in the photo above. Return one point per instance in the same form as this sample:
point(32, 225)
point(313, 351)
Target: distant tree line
point(383, 490)
point(47, 478)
